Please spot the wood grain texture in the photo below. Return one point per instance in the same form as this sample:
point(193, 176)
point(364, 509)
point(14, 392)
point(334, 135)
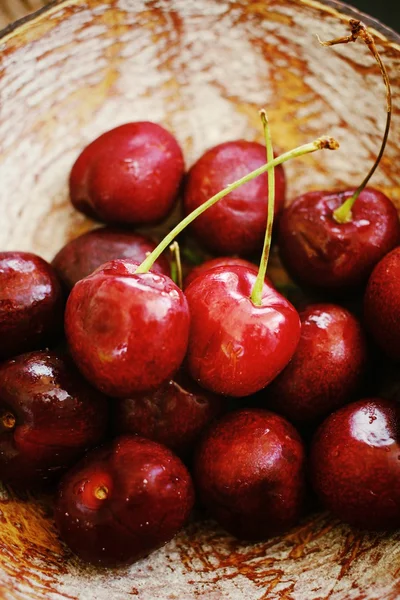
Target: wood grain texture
point(203, 69)
point(10, 10)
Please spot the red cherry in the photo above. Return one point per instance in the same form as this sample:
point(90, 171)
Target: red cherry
point(49, 417)
point(236, 347)
point(249, 472)
point(223, 261)
point(127, 332)
point(129, 175)
point(175, 414)
point(123, 501)
point(327, 368)
point(355, 464)
point(31, 304)
point(382, 304)
point(236, 224)
point(322, 253)
point(82, 255)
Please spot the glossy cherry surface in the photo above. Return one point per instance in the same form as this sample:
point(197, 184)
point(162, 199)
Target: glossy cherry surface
point(355, 464)
point(175, 414)
point(127, 333)
point(128, 175)
point(123, 501)
point(49, 417)
point(382, 304)
point(82, 255)
point(249, 472)
point(319, 252)
point(326, 369)
point(235, 347)
point(31, 304)
point(223, 261)
point(236, 224)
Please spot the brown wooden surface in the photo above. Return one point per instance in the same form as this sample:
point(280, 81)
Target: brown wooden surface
point(203, 68)
point(11, 10)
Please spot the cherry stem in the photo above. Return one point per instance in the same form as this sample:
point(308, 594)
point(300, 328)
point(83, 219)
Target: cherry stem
point(101, 492)
point(176, 264)
point(256, 293)
point(322, 143)
point(358, 30)
point(8, 420)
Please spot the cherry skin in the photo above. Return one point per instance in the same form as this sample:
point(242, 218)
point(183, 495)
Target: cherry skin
point(31, 303)
point(223, 261)
point(128, 175)
point(249, 473)
point(127, 333)
point(123, 501)
point(321, 253)
point(82, 255)
point(49, 417)
point(355, 466)
point(174, 415)
point(327, 368)
point(382, 304)
point(235, 347)
point(236, 224)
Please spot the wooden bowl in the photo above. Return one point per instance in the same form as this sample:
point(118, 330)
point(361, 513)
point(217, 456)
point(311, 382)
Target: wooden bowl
point(202, 68)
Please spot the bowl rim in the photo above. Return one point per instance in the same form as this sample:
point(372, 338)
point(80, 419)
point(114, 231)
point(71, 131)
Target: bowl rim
point(334, 7)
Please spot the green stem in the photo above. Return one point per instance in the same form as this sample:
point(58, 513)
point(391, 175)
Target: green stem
point(256, 293)
point(343, 214)
point(318, 144)
point(176, 264)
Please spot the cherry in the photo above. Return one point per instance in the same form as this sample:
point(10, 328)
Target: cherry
point(123, 501)
point(249, 472)
point(333, 240)
point(49, 416)
point(129, 175)
point(237, 224)
point(236, 346)
point(127, 332)
point(322, 253)
point(355, 466)
point(175, 414)
point(326, 369)
point(216, 262)
point(31, 304)
point(382, 304)
point(82, 255)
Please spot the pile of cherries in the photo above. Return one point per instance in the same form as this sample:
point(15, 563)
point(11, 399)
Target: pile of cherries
point(221, 376)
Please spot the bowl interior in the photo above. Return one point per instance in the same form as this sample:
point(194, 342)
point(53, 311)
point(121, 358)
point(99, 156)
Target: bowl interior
point(203, 69)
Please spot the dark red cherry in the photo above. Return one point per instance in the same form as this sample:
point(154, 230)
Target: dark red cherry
point(49, 417)
point(322, 253)
point(355, 464)
point(175, 414)
point(81, 256)
point(236, 347)
point(236, 224)
point(249, 472)
point(129, 175)
point(123, 501)
point(31, 304)
point(326, 369)
point(223, 261)
point(127, 332)
point(382, 304)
